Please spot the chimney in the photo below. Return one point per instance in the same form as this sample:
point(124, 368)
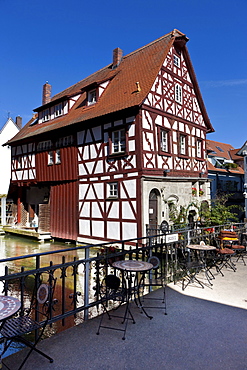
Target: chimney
point(117, 57)
point(46, 93)
point(18, 122)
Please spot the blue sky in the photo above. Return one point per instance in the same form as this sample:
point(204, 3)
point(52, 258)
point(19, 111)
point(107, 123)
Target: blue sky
point(63, 42)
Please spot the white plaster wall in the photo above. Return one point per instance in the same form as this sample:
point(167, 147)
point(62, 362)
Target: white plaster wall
point(8, 131)
point(166, 188)
point(113, 230)
point(129, 230)
point(98, 228)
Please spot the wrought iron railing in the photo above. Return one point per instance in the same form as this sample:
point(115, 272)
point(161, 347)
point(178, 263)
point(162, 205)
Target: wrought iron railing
point(80, 269)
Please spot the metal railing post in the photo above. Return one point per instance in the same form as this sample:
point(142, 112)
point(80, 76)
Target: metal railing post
point(86, 283)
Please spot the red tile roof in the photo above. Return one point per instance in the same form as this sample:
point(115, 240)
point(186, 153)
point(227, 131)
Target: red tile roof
point(121, 93)
point(234, 156)
point(218, 149)
point(222, 150)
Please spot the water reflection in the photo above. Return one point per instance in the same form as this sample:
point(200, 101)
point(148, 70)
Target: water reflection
point(12, 246)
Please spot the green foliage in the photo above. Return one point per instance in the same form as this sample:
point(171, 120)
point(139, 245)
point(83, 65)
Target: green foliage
point(218, 213)
point(231, 165)
point(177, 216)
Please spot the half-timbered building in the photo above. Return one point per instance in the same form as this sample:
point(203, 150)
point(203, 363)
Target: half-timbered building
point(110, 154)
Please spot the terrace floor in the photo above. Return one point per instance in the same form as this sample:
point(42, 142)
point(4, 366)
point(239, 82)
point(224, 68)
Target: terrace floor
point(204, 329)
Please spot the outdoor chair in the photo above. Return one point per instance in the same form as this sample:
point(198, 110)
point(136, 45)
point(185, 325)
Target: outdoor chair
point(113, 293)
point(225, 250)
point(32, 319)
point(155, 278)
point(214, 260)
point(190, 268)
point(236, 246)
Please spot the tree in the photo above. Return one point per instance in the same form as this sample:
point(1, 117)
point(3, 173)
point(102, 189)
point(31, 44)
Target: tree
point(219, 212)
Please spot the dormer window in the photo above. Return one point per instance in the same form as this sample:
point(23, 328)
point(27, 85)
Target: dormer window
point(92, 97)
point(176, 61)
point(58, 110)
point(46, 115)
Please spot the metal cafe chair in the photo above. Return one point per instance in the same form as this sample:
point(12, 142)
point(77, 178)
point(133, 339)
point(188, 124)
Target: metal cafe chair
point(155, 278)
point(190, 268)
point(113, 293)
point(34, 318)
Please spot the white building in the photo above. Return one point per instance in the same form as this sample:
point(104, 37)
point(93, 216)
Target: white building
point(8, 131)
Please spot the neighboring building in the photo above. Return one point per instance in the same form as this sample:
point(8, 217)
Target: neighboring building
point(114, 152)
point(9, 130)
point(242, 152)
point(225, 168)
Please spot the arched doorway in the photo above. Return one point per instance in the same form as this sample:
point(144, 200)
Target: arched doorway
point(153, 208)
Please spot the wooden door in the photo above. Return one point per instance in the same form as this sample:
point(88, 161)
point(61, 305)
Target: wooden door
point(153, 209)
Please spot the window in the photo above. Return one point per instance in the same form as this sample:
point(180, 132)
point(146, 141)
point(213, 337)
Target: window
point(178, 93)
point(64, 141)
point(220, 149)
point(199, 148)
point(50, 158)
point(58, 156)
point(112, 190)
point(118, 141)
point(92, 97)
point(164, 141)
point(176, 61)
point(58, 111)
point(18, 162)
point(182, 145)
point(44, 145)
point(46, 115)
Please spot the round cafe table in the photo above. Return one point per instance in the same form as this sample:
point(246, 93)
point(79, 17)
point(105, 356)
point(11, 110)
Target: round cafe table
point(199, 247)
point(8, 307)
point(129, 267)
point(203, 248)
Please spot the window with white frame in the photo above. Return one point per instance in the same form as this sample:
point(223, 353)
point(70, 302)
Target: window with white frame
point(58, 156)
point(112, 190)
point(118, 141)
point(58, 110)
point(176, 61)
point(50, 158)
point(164, 141)
point(178, 93)
point(182, 144)
point(46, 115)
point(92, 97)
point(199, 148)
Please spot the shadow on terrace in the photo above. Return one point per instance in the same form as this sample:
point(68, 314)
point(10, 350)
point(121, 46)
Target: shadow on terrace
point(193, 326)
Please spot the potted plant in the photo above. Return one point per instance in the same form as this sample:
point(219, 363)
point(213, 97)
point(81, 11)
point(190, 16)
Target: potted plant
point(108, 254)
point(194, 191)
point(201, 192)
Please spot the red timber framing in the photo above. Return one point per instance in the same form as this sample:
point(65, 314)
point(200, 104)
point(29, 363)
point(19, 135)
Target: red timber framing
point(64, 210)
point(99, 148)
point(109, 199)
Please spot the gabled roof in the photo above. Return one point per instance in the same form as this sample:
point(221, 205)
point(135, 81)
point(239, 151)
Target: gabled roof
point(7, 123)
point(121, 93)
point(243, 150)
point(224, 151)
point(234, 155)
point(217, 149)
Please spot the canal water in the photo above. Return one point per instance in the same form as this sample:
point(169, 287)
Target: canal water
point(13, 246)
